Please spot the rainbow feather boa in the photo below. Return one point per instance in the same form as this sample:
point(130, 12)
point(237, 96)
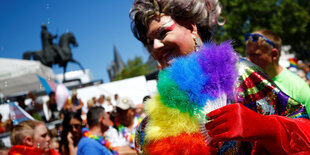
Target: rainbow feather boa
point(176, 112)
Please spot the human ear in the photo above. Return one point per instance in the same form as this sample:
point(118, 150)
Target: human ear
point(275, 54)
point(28, 141)
point(133, 111)
point(100, 119)
point(190, 25)
point(193, 28)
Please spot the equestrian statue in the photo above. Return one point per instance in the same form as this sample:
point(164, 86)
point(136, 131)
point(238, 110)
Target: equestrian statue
point(54, 54)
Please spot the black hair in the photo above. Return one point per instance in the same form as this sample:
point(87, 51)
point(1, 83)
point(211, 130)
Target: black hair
point(51, 93)
point(93, 115)
point(66, 128)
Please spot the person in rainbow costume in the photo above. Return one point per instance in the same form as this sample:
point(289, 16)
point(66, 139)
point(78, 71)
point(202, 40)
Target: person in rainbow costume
point(209, 101)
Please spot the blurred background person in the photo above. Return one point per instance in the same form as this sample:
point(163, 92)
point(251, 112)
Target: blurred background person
point(101, 100)
point(2, 126)
point(125, 123)
point(55, 137)
point(305, 69)
point(263, 48)
point(54, 143)
point(71, 133)
point(114, 101)
point(90, 104)
point(35, 107)
point(52, 106)
point(4, 150)
point(31, 137)
point(93, 140)
point(140, 112)
point(108, 105)
point(109, 101)
point(95, 101)
point(21, 101)
point(76, 103)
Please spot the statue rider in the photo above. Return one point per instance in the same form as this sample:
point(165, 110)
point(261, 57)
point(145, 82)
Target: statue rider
point(49, 49)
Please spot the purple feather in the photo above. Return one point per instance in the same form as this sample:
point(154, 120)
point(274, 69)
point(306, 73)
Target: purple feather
point(218, 62)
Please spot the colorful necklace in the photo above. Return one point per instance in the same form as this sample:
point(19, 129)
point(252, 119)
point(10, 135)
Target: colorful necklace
point(101, 140)
point(128, 135)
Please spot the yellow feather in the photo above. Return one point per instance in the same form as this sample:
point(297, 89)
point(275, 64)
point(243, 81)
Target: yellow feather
point(165, 121)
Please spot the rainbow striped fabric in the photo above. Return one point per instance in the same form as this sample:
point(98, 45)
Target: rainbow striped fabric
point(293, 62)
point(175, 114)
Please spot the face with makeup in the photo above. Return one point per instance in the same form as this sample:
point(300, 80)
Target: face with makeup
point(168, 39)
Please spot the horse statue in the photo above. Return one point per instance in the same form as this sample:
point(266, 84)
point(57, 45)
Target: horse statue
point(56, 54)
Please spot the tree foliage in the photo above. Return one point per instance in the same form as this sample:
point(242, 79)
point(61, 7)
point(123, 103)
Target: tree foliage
point(134, 68)
point(290, 19)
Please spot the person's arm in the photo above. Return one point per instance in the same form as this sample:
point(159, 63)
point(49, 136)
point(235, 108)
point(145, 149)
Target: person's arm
point(81, 104)
point(49, 111)
point(125, 150)
point(275, 134)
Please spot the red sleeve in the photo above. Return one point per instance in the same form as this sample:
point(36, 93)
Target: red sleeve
point(292, 137)
point(54, 152)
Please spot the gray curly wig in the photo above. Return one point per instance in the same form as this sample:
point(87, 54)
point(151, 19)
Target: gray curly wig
point(205, 13)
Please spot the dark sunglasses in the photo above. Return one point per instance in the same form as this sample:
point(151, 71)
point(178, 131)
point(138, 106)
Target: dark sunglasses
point(76, 126)
point(255, 38)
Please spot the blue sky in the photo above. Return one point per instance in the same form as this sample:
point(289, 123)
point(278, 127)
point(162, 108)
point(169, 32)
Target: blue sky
point(98, 25)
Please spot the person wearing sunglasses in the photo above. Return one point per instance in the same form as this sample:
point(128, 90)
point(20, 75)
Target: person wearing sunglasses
point(71, 134)
point(263, 48)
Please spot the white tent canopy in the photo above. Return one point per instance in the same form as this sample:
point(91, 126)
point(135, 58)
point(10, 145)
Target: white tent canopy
point(20, 76)
point(135, 88)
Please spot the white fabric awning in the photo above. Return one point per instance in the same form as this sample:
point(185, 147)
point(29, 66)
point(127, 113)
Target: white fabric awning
point(135, 88)
point(20, 76)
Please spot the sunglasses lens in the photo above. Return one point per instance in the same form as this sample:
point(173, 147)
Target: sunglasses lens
point(76, 126)
point(246, 37)
point(255, 38)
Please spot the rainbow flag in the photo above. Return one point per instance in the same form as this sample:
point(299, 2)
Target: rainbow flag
point(293, 62)
point(17, 114)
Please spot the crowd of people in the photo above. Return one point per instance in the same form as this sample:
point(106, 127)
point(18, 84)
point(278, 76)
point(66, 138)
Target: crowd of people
point(113, 124)
point(303, 71)
point(269, 115)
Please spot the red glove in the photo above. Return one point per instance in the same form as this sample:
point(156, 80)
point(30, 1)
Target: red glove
point(237, 122)
point(275, 134)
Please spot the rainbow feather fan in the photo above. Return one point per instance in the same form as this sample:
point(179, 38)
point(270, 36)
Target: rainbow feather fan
point(192, 86)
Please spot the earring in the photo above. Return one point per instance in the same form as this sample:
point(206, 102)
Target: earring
point(198, 43)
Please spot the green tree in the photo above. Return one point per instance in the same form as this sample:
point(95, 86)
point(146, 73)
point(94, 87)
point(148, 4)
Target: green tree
point(134, 68)
point(290, 19)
